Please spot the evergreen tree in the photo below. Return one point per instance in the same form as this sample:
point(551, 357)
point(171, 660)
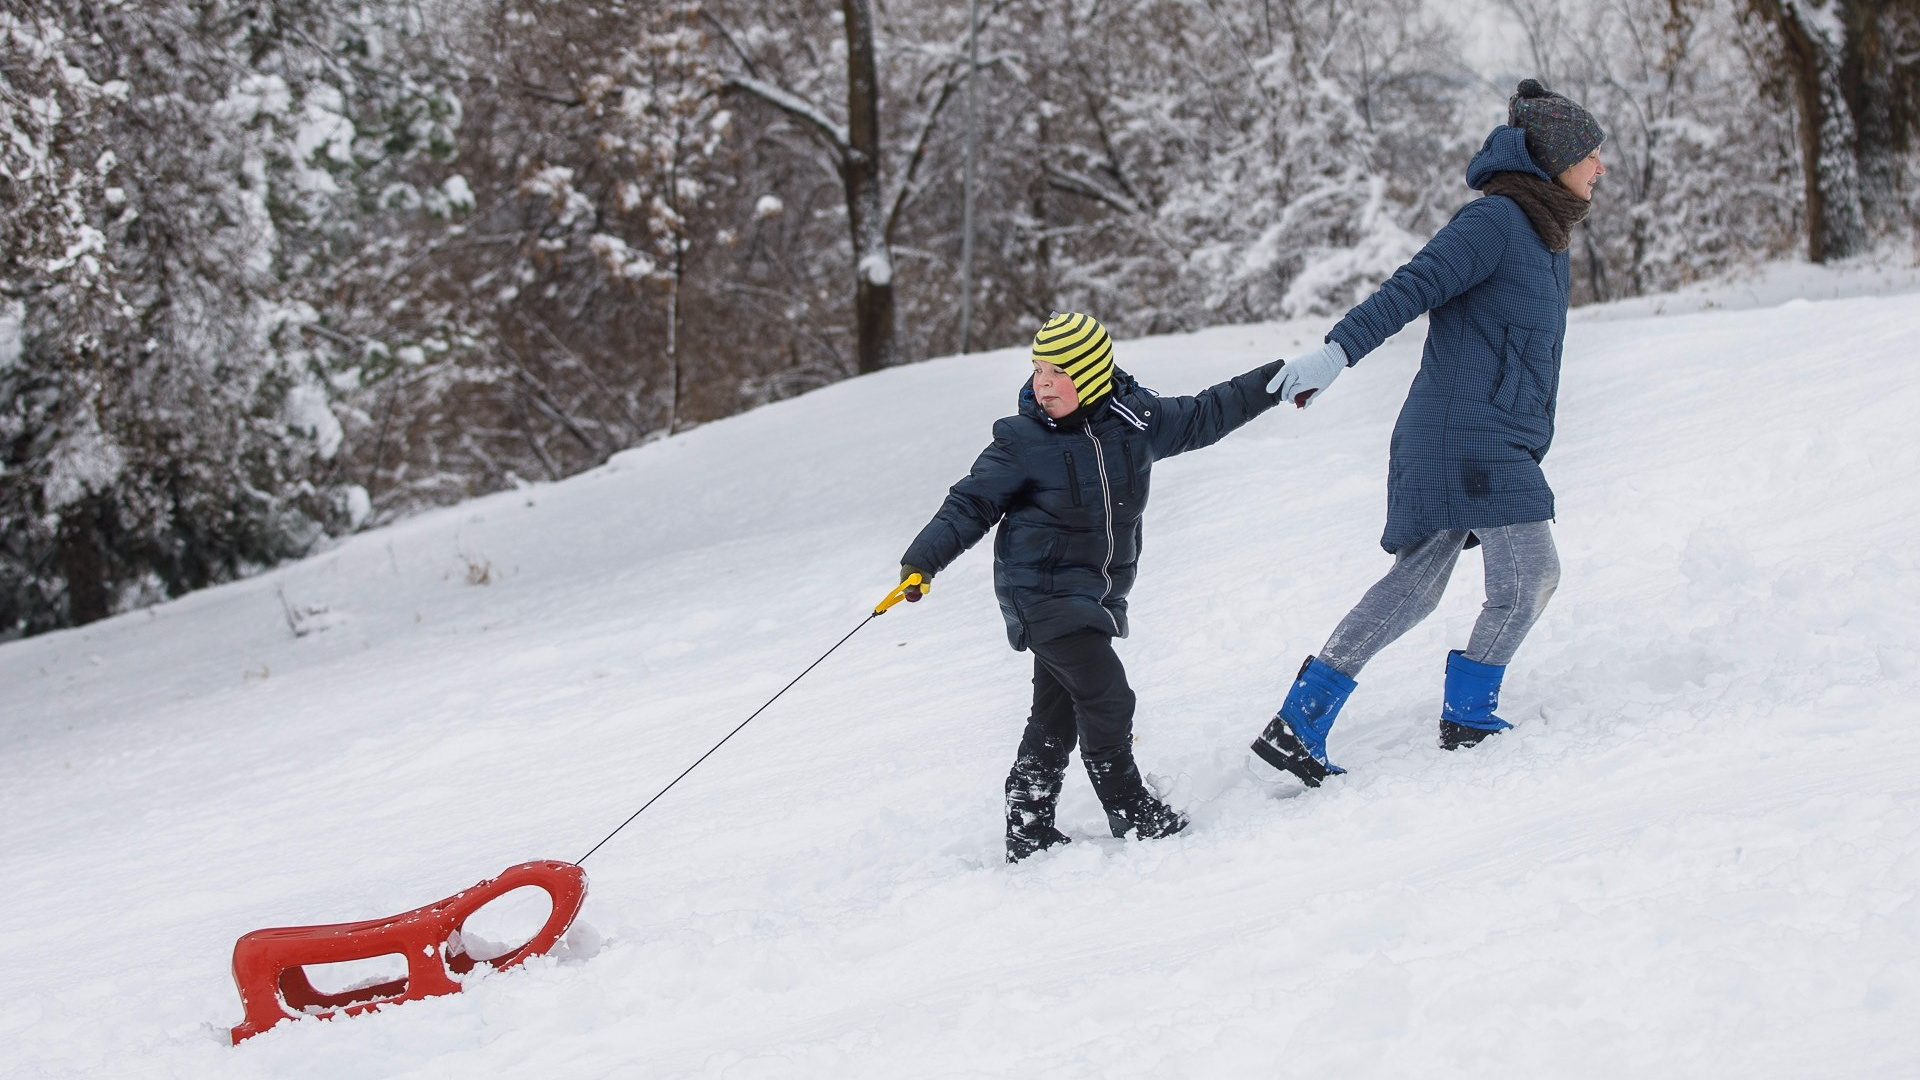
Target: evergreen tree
point(166, 423)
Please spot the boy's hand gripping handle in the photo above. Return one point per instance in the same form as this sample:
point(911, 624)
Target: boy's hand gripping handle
point(910, 590)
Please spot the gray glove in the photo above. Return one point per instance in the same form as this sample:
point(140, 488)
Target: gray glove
point(1298, 380)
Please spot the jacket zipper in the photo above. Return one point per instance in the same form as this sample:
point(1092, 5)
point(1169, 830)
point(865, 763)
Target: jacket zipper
point(1106, 504)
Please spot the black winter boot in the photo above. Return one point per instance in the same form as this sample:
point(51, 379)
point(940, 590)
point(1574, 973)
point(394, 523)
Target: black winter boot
point(1130, 807)
point(1459, 736)
point(1033, 790)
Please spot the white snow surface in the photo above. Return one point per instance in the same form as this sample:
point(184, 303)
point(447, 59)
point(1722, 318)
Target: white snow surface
point(1695, 855)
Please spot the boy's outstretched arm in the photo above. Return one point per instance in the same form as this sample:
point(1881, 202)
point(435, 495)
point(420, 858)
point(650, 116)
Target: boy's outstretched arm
point(973, 505)
point(1180, 424)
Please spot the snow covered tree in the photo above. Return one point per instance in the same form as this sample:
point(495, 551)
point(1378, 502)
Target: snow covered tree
point(1855, 70)
point(54, 166)
point(1192, 164)
point(269, 270)
point(547, 327)
point(672, 97)
point(1357, 139)
point(850, 139)
point(166, 421)
point(1700, 174)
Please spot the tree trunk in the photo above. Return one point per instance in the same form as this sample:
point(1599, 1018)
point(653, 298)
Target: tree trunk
point(1880, 77)
point(1856, 88)
point(82, 565)
point(860, 174)
point(1829, 158)
point(673, 380)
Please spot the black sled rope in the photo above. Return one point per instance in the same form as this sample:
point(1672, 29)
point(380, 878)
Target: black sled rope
point(910, 589)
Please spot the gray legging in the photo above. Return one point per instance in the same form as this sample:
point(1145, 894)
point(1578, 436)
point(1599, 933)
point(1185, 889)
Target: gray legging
point(1522, 572)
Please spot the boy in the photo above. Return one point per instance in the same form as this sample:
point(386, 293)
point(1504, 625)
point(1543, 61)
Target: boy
point(1066, 481)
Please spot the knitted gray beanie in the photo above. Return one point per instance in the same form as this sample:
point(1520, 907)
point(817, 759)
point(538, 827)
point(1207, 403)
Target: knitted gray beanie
point(1559, 132)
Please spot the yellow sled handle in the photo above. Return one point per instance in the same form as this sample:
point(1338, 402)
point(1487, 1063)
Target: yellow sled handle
point(909, 590)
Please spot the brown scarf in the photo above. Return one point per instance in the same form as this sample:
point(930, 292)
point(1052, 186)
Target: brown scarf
point(1553, 209)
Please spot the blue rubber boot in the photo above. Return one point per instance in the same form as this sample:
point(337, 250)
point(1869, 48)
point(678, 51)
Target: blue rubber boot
point(1473, 692)
point(1296, 738)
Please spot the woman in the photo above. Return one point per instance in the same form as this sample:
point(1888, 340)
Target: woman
point(1467, 448)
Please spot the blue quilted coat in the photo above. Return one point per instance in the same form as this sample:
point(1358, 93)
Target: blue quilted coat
point(1479, 417)
point(1069, 497)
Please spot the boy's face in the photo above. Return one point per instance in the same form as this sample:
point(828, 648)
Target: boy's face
point(1054, 391)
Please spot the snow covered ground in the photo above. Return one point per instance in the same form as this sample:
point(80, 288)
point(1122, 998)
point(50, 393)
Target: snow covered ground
point(1697, 855)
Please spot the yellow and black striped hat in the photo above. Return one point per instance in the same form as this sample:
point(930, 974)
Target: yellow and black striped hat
point(1081, 346)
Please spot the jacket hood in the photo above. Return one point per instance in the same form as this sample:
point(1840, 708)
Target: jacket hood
point(1504, 151)
point(1123, 383)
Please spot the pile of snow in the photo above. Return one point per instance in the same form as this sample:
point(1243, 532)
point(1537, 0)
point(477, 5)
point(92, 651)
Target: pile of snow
point(1696, 855)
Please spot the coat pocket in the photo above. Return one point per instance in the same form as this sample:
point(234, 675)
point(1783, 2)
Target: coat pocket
point(1510, 392)
point(1056, 550)
point(1520, 395)
point(1073, 479)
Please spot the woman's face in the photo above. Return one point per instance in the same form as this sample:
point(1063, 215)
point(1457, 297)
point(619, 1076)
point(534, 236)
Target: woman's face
point(1581, 178)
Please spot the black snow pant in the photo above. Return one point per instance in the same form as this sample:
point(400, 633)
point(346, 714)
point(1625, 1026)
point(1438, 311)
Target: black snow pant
point(1080, 695)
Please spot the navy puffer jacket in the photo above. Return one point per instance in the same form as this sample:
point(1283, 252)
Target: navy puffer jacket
point(1479, 417)
point(1069, 497)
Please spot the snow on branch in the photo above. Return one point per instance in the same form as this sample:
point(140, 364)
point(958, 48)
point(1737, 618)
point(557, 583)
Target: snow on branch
point(1078, 183)
point(798, 108)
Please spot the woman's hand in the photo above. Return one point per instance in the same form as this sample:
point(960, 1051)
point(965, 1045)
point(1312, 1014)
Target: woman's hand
point(1300, 379)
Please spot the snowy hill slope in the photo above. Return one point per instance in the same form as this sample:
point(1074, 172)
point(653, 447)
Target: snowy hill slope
point(1697, 855)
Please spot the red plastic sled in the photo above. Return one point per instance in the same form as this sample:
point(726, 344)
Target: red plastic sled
point(268, 964)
